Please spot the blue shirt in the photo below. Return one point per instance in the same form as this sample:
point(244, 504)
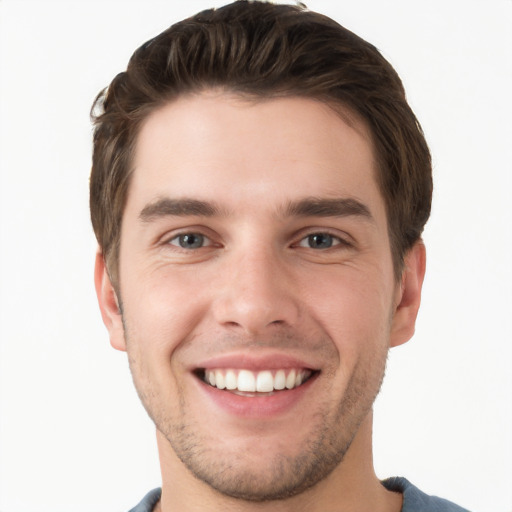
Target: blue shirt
point(414, 499)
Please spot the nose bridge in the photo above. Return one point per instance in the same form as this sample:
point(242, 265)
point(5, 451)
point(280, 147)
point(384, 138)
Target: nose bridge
point(256, 291)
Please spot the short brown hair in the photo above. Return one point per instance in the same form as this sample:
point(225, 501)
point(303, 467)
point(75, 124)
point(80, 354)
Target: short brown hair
point(262, 50)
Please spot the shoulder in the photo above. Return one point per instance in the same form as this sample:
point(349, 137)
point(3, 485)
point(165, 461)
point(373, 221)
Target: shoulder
point(148, 502)
point(416, 500)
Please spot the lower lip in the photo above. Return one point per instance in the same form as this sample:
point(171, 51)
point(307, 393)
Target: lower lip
point(264, 406)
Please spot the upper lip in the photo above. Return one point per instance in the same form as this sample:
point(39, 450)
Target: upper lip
point(257, 361)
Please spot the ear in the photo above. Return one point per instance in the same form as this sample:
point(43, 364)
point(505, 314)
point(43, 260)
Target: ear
point(408, 295)
point(109, 304)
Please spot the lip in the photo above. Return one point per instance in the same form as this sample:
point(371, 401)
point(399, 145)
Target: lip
point(266, 406)
point(256, 362)
point(258, 407)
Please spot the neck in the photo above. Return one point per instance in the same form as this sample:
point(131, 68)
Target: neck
point(352, 486)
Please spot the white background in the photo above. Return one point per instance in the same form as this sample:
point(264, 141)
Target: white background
point(73, 436)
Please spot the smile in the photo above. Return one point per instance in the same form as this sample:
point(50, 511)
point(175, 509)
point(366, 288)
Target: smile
point(265, 381)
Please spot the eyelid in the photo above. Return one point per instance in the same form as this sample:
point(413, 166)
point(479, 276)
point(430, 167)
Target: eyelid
point(207, 242)
point(336, 241)
point(207, 234)
point(342, 238)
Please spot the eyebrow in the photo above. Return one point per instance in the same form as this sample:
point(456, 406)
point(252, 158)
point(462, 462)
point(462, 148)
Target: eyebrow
point(307, 207)
point(178, 207)
point(320, 207)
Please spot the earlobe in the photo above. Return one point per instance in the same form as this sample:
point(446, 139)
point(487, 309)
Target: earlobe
point(409, 296)
point(109, 304)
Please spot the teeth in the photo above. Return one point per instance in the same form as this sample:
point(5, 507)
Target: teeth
point(280, 380)
point(264, 381)
point(220, 381)
point(231, 379)
point(246, 381)
point(290, 380)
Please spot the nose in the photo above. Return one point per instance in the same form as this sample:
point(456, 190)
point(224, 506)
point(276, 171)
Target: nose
point(256, 292)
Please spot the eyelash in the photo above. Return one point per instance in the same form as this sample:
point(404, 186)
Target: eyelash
point(335, 240)
point(189, 234)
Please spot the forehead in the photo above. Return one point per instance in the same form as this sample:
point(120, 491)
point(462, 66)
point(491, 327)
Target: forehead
point(252, 152)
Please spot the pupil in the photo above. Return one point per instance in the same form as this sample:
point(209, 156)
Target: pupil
point(320, 241)
point(191, 241)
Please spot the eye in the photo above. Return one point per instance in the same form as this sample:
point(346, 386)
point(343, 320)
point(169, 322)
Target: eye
point(320, 241)
point(190, 241)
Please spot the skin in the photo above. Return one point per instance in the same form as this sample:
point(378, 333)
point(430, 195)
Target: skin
point(259, 289)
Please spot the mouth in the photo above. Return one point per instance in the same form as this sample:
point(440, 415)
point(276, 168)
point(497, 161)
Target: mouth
point(261, 383)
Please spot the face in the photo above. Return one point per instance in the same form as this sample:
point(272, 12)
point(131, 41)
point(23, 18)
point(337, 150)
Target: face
point(257, 288)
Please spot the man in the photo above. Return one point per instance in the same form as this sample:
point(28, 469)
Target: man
point(259, 189)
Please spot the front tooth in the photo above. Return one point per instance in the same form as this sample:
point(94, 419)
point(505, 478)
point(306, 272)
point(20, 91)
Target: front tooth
point(220, 381)
point(264, 382)
point(290, 380)
point(231, 380)
point(280, 380)
point(246, 381)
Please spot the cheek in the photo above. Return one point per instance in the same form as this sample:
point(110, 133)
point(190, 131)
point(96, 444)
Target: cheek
point(157, 318)
point(161, 311)
point(353, 307)
point(165, 300)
